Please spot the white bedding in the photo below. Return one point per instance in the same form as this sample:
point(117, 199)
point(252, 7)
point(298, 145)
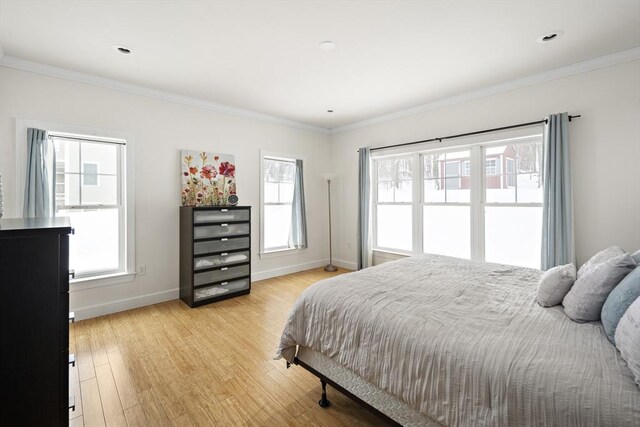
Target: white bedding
point(464, 343)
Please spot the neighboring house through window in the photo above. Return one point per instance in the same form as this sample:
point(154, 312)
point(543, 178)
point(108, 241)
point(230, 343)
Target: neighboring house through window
point(441, 201)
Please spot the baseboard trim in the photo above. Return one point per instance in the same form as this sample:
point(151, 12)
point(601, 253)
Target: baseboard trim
point(281, 271)
point(349, 265)
point(90, 311)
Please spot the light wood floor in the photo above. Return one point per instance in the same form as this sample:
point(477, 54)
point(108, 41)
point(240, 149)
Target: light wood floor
point(167, 364)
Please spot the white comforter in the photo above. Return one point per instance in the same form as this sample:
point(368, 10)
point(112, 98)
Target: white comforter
point(465, 343)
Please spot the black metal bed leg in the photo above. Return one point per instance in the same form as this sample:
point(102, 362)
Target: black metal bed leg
point(324, 402)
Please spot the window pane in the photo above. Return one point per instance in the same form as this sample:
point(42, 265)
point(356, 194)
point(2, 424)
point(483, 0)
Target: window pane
point(71, 190)
point(385, 191)
point(447, 231)
point(403, 191)
point(529, 157)
point(500, 189)
point(434, 190)
point(67, 155)
point(271, 192)
point(394, 227)
point(104, 155)
point(277, 223)
point(432, 165)
point(89, 174)
point(94, 246)
point(513, 235)
point(105, 193)
point(529, 188)
point(286, 192)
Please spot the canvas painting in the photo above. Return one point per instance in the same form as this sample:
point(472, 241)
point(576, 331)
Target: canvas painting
point(208, 179)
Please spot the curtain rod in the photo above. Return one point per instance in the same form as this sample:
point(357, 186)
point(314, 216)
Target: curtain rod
point(479, 132)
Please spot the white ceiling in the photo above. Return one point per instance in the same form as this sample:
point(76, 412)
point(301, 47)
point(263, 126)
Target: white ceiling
point(264, 56)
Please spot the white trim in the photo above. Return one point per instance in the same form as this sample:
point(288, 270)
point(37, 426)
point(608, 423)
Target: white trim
point(281, 271)
point(280, 252)
point(557, 73)
point(96, 310)
point(84, 283)
point(345, 264)
point(90, 79)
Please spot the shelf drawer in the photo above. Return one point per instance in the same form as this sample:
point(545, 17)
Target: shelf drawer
point(222, 230)
point(223, 215)
point(223, 274)
point(222, 289)
point(221, 260)
point(221, 245)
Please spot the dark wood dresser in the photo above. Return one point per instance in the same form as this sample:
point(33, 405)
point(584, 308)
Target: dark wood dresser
point(34, 321)
point(215, 253)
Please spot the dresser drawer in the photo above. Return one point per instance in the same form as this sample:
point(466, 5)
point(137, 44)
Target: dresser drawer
point(221, 260)
point(221, 289)
point(63, 325)
point(222, 245)
point(63, 367)
point(223, 215)
point(222, 230)
point(221, 275)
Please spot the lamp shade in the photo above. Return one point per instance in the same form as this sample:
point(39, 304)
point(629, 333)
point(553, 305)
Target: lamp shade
point(328, 176)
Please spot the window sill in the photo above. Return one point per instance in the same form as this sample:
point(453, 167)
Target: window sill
point(100, 281)
point(279, 253)
point(388, 253)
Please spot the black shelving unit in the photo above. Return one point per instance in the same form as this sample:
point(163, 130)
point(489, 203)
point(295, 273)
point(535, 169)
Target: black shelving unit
point(215, 253)
point(34, 321)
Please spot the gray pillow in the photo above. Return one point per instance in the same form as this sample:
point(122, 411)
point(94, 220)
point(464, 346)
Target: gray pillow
point(636, 256)
point(584, 301)
point(628, 338)
point(618, 301)
point(600, 257)
point(554, 284)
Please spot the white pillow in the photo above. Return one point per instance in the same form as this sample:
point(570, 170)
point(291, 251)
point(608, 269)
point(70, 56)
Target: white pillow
point(636, 256)
point(628, 338)
point(554, 284)
point(600, 257)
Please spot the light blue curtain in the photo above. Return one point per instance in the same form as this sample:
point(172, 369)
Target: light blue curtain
point(364, 208)
point(557, 219)
point(298, 234)
point(39, 185)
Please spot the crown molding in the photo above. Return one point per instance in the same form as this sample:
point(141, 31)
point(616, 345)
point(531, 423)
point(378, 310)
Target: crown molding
point(557, 73)
point(90, 79)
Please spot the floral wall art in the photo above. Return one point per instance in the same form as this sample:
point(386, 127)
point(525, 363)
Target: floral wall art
point(207, 178)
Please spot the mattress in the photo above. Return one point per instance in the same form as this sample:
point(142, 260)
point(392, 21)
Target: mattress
point(464, 343)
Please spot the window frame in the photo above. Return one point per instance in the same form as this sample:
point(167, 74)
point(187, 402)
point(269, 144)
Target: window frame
point(127, 163)
point(268, 253)
point(477, 202)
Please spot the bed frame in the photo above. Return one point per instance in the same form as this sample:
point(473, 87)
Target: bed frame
point(324, 402)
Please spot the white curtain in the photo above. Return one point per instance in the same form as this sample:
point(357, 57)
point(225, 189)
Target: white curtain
point(39, 191)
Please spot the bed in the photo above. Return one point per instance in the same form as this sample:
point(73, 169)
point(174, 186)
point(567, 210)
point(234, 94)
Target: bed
point(434, 340)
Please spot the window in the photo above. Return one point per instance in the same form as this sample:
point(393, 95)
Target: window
point(277, 197)
point(90, 190)
point(459, 208)
point(446, 204)
point(393, 204)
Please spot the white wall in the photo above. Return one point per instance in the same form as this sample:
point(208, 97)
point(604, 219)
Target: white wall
point(160, 129)
point(605, 150)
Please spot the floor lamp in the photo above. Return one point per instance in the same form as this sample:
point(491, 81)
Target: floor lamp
point(329, 177)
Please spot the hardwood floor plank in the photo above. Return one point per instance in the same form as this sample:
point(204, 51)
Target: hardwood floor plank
point(135, 416)
point(91, 404)
point(111, 406)
point(168, 364)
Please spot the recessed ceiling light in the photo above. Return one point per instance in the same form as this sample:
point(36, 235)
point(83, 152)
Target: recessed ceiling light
point(549, 36)
point(329, 111)
point(327, 45)
point(122, 49)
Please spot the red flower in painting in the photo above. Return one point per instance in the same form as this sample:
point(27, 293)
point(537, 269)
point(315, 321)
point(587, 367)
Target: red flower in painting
point(186, 173)
point(208, 172)
point(227, 169)
point(193, 170)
